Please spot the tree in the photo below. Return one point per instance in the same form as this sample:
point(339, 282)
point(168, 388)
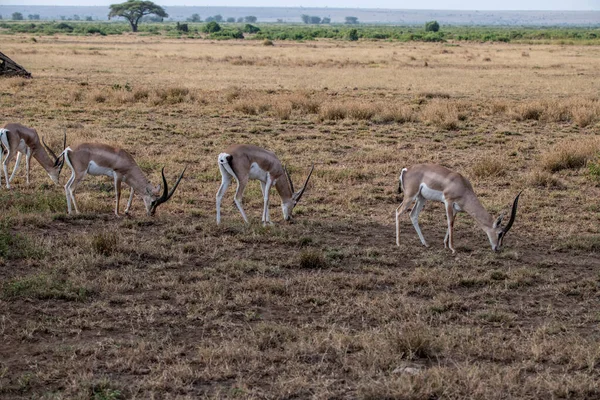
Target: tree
point(218, 18)
point(305, 18)
point(182, 27)
point(315, 20)
point(240, 19)
point(209, 19)
point(326, 20)
point(89, 18)
point(351, 20)
point(134, 10)
point(432, 26)
point(250, 19)
point(211, 27)
point(251, 29)
point(33, 16)
point(230, 19)
point(194, 18)
point(17, 16)
point(353, 35)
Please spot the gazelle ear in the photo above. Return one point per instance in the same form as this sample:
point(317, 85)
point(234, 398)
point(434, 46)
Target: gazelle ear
point(498, 221)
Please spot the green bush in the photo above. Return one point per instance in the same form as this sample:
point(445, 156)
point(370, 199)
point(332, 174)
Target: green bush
point(432, 26)
point(211, 27)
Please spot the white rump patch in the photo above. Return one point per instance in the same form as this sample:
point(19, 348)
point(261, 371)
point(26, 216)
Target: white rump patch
point(223, 158)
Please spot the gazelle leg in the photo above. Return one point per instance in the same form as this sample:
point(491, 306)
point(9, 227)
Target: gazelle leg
point(414, 216)
point(399, 211)
point(7, 159)
point(129, 201)
point(72, 188)
point(225, 182)
point(239, 193)
point(117, 193)
point(450, 214)
point(19, 154)
point(27, 165)
point(266, 188)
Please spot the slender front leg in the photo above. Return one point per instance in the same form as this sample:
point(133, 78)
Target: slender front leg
point(27, 158)
point(225, 181)
point(450, 217)
point(446, 238)
point(74, 181)
point(129, 201)
point(414, 216)
point(399, 211)
point(266, 188)
point(118, 193)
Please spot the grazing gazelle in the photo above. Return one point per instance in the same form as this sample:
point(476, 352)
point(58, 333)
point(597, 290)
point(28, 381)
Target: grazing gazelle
point(244, 162)
point(18, 139)
point(100, 159)
point(424, 182)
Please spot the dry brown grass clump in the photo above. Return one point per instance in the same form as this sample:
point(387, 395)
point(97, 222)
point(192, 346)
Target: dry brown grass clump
point(333, 112)
point(396, 113)
point(104, 243)
point(172, 95)
point(442, 114)
point(362, 110)
point(571, 155)
point(489, 167)
point(544, 179)
point(304, 103)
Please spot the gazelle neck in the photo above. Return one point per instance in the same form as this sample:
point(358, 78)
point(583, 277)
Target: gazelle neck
point(284, 189)
point(473, 207)
point(40, 154)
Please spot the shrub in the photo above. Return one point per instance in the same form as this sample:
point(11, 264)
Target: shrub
point(249, 28)
point(352, 35)
point(432, 26)
point(268, 42)
point(211, 27)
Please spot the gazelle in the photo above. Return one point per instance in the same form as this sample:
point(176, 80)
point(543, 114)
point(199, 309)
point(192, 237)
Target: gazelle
point(424, 182)
point(100, 159)
point(18, 139)
point(244, 162)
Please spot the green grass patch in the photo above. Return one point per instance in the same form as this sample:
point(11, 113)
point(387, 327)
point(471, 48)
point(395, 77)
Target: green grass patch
point(44, 286)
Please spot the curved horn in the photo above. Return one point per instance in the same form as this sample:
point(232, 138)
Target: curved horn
point(289, 178)
point(49, 150)
point(301, 192)
point(513, 214)
point(176, 183)
point(166, 195)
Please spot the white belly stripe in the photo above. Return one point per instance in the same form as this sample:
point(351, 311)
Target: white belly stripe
point(257, 173)
point(430, 194)
point(95, 169)
point(435, 195)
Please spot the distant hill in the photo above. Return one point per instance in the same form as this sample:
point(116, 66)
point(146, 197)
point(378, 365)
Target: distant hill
point(337, 15)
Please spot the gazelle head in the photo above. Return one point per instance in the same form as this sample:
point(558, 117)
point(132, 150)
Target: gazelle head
point(153, 198)
point(288, 204)
point(497, 232)
point(54, 171)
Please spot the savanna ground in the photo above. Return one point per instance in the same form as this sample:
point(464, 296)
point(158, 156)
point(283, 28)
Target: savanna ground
point(93, 306)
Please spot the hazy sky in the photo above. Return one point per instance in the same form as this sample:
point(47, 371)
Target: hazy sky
point(399, 4)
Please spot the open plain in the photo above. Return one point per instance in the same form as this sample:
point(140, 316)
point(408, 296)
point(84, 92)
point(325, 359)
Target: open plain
point(95, 306)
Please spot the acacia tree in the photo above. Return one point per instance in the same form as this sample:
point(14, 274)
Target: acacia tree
point(134, 10)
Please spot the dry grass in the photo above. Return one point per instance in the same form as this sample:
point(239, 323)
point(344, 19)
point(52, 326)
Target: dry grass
point(93, 306)
point(570, 155)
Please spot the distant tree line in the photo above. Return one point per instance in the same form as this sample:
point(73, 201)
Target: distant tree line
point(312, 19)
point(250, 19)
